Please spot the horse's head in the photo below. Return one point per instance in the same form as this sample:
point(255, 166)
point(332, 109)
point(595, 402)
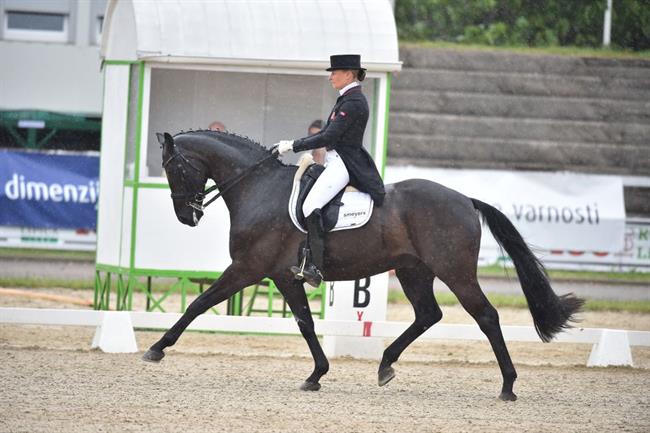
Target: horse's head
point(186, 180)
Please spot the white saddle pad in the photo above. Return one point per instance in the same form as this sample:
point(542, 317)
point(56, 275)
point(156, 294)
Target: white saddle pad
point(355, 212)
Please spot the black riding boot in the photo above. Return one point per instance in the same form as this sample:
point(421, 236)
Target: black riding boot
point(311, 255)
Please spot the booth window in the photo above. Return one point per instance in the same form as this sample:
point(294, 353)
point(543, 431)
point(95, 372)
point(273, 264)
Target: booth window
point(263, 106)
point(36, 26)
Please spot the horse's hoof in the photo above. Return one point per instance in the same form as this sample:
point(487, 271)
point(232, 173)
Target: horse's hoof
point(153, 355)
point(386, 375)
point(508, 396)
point(310, 386)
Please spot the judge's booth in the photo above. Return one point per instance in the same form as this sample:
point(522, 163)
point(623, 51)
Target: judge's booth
point(258, 68)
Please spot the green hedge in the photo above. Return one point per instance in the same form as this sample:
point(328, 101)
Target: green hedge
point(525, 22)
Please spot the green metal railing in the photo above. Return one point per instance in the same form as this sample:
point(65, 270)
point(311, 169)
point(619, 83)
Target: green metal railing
point(115, 288)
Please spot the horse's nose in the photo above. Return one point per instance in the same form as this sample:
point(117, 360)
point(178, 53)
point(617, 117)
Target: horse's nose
point(188, 220)
point(191, 219)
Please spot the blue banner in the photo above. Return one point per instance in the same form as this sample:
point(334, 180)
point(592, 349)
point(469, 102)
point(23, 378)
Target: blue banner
point(48, 190)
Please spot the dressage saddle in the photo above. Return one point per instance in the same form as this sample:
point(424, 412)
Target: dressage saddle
point(330, 212)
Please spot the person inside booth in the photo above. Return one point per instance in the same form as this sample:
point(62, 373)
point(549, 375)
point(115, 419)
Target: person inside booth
point(217, 126)
point(318, 154)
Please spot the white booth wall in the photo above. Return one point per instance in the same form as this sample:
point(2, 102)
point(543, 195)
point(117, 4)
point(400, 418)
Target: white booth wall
point(111, 165)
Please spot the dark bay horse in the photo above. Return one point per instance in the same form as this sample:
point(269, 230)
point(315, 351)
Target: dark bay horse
point(423, 231)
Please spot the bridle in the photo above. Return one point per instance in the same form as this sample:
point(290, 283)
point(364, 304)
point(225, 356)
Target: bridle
point(195, 200)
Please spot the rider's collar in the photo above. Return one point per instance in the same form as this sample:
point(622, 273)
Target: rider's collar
point(348, 87)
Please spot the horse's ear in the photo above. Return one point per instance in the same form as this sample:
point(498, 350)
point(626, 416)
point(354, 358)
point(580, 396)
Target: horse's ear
point(161, 138)
point(166, 142)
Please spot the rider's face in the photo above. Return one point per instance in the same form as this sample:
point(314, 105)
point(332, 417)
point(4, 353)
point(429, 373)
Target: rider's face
point(341, 78)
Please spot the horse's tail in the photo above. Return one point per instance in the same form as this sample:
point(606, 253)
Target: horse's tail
point(551, 313)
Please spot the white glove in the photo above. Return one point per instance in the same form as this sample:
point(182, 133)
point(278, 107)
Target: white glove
point(284, 146)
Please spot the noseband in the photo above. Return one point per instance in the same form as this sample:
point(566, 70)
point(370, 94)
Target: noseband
point(192, 200)
point(195, 200)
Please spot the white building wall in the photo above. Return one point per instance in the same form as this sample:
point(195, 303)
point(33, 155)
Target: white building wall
point(50, 77)
point(54, 76)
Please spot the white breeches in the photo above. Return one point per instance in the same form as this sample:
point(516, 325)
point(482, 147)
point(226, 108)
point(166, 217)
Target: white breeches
point(333, 179)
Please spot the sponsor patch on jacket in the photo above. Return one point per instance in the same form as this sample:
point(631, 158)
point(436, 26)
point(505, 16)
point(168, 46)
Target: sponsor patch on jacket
point(342, 113)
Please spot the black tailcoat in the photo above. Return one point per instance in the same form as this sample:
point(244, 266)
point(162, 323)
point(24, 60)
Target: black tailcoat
point(343, 132)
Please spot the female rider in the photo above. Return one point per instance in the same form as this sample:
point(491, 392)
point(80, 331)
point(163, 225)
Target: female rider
point(346, 161)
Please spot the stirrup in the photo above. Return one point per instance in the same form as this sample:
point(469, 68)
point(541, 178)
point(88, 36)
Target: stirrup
point(312, 278)
point(298, 272)
point(304, 273)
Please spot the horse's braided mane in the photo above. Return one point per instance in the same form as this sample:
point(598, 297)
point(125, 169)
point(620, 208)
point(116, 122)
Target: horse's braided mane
point(245, 138)
point(247, 141)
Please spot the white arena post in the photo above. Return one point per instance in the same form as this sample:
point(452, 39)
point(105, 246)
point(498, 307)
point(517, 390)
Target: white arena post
point(613, 348)
point(115, 333)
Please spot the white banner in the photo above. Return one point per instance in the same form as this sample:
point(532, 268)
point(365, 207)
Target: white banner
point(565, 211)
point(57, 239)
point(633, 257)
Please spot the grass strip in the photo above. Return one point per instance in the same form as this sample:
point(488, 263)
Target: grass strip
point(568, 51)
point(39, 254)
point(519, 301)
point(498, 271)
point(41, 283)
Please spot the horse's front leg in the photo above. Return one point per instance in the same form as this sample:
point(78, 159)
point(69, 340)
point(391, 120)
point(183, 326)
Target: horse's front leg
point(294, 293)
point(233, 279)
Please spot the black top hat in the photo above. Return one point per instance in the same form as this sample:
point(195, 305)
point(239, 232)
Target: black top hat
point(345, 61)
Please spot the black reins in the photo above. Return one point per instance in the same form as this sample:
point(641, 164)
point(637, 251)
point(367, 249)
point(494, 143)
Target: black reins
point(196, 200)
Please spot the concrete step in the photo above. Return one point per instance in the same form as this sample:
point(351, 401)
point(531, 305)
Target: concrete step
point(524, 129)
point(519, 106)
point(500, 61)
point(464, 108)
point(482, 152)
point(523, 84)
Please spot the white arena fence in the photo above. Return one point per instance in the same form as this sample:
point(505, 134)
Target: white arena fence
point(115, 334)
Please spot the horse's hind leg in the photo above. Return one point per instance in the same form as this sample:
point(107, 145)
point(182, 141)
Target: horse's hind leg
point(471, 297)
point(417, 283)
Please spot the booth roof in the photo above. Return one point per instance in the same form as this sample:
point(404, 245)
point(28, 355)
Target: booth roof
point(291, 33)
